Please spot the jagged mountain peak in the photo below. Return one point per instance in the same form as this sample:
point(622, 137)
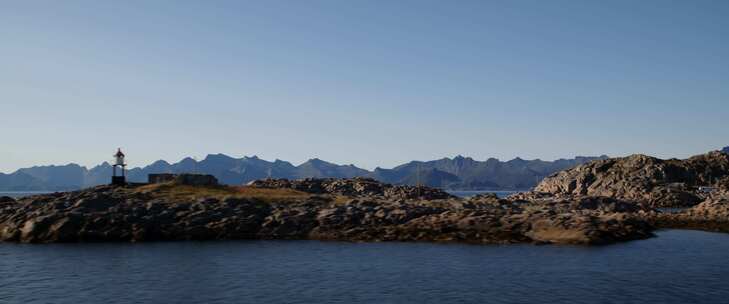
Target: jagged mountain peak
point(188, 160)
point(69, 165)
point(156, 163)
point(462, 159)
point(217, 157)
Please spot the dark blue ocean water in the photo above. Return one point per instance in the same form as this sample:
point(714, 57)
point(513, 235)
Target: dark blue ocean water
point(676, 267)
point(18, 194)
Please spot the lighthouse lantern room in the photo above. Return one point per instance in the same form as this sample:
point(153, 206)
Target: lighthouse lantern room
point(118, 162)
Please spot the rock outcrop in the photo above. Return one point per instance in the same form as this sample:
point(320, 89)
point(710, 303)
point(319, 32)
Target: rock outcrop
point(347, 210)
point(358, 186)
point(723, 184)
point(183, 179)
point(711, 214)
point(640, 178)
point(695, 190)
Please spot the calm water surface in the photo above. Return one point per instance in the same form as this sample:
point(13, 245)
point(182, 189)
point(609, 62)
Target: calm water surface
point(17, 194)
point(676, 267)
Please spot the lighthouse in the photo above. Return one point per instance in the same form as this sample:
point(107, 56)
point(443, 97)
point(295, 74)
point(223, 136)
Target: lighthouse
point(118, 162)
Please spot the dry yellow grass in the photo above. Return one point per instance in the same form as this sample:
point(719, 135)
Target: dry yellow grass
point(341, 200)
point(189, 193)
point(270, 194)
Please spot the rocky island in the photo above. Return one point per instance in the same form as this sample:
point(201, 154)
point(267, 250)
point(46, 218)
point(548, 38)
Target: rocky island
point(691, 193)
point(656, 182)
point(601, 202)
point(357, 209)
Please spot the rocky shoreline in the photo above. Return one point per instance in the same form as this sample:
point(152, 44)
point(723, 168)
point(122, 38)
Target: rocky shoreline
point(602, 202)
point(348, 210)
point(710, 215)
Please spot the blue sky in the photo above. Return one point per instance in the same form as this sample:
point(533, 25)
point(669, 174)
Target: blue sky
point(374, 83)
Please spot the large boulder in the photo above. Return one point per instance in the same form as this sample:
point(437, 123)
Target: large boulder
point(714, 209)
point(51, 228)
point(661, 183)
point(96, 203)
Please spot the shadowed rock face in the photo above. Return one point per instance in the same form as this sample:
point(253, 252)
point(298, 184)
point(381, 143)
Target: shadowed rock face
point(711, 214)
point(723, 184)
point(350, 210)
point(660, 183)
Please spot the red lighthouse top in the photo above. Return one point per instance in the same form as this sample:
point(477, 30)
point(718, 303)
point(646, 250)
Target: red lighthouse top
point(119, 153)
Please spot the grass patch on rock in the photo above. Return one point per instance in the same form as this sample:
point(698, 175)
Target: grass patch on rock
point(176, 192)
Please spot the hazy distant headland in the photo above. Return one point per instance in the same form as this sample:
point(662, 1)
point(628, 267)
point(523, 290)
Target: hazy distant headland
point(458, 173)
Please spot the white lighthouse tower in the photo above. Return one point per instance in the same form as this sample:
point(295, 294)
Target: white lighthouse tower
point(119, 162)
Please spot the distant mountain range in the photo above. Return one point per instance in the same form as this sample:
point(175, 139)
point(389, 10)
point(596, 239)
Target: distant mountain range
point(461, 173)
point(725, 150)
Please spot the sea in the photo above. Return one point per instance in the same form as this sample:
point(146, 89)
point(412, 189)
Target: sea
point(18, 194)
point(677, 266)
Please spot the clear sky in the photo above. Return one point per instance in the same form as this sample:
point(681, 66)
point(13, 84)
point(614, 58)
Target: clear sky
point(374, 83)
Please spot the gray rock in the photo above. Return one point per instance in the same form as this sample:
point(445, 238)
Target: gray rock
point(121, 214)
point(659, 183)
